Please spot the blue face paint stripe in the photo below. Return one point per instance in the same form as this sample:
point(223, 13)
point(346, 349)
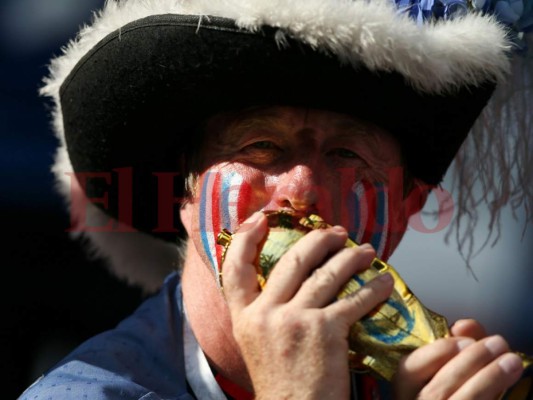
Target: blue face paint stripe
point(380, 216)
point(204, 230)
point(356, 215)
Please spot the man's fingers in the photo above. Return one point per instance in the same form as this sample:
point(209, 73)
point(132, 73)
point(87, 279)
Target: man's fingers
point(325, 282)
point(417, 369)
point(496, 377)
point(468, 328)
point(355, 306)
point(458, 368)
point(300, 260)
point(239, 277)
point(461, 368)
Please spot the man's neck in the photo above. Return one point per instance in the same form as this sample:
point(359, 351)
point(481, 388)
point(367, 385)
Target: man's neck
point(210, 320)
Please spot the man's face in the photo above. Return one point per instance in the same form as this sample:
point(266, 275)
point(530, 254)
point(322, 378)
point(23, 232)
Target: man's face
point(306, 161)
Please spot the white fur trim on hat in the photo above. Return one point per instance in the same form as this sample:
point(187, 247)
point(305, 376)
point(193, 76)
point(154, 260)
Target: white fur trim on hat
point(434, 58)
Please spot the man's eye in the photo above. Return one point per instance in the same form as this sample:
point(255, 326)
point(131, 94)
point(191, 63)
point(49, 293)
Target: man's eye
point(262, 145)
point(261, 152)
point(344, 153)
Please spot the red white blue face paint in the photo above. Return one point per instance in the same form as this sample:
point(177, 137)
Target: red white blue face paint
point(224, 203)
point(227, 198)
point(373, 217)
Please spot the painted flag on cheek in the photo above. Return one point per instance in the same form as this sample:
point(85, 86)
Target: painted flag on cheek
point(371, 216)
point(224, 202)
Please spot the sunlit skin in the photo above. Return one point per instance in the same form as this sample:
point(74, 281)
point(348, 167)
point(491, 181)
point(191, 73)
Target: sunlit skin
point(289, 340)
point(311, 162)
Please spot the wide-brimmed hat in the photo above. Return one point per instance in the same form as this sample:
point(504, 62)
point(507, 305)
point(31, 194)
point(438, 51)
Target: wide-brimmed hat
point(132, 93)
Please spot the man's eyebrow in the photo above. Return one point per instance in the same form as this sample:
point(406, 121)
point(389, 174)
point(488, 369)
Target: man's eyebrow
point(235, 131)
point(361, 133)
point(351, 128)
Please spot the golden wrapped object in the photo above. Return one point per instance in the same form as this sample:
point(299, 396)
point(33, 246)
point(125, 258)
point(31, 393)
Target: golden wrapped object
point(397, 327)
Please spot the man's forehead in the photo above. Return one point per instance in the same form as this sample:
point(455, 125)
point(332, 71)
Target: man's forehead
point(283, 120)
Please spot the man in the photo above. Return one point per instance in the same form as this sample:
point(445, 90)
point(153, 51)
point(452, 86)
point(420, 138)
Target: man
point(297, 153)
point(230, 108)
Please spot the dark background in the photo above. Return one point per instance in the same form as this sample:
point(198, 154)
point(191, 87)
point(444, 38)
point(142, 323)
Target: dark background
point(53, 297)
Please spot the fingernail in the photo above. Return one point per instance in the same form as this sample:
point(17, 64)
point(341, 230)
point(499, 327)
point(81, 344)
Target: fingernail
point(385, 278)
point(254, 217)
point(496, 345)
point(459, 323)
point(250, 222)
point(510, 363)
point(338, 228)
point(461, 344)
point(366, 246)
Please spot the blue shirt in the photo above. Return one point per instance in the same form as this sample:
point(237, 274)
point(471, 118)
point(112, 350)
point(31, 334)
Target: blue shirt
point(142, 358)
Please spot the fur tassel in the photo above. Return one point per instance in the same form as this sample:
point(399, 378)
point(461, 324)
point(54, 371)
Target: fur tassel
point(494, 168)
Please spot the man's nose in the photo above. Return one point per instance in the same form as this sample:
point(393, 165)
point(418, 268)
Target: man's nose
point(298, 189)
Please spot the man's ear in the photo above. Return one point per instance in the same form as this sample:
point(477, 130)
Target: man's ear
point(417, 197)
point(186, 213)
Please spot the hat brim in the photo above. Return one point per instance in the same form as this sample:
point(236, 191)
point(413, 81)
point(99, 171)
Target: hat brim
point(139, 98)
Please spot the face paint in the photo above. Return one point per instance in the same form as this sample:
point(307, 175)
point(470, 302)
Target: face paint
point(224, 203)
point(373, 217)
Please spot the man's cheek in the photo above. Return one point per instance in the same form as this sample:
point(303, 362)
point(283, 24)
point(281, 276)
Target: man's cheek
point(236, 201)
point(209, 218)
point(225, 202)
point(372, 217)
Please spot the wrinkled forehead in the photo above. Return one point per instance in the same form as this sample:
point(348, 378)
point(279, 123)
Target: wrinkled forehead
point(285, 120)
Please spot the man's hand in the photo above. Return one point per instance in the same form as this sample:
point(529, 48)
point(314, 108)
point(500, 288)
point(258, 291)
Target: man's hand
point(293, 336)
point(465, 366)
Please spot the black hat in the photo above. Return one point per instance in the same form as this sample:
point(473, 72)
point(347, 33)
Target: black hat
point(133, 91)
